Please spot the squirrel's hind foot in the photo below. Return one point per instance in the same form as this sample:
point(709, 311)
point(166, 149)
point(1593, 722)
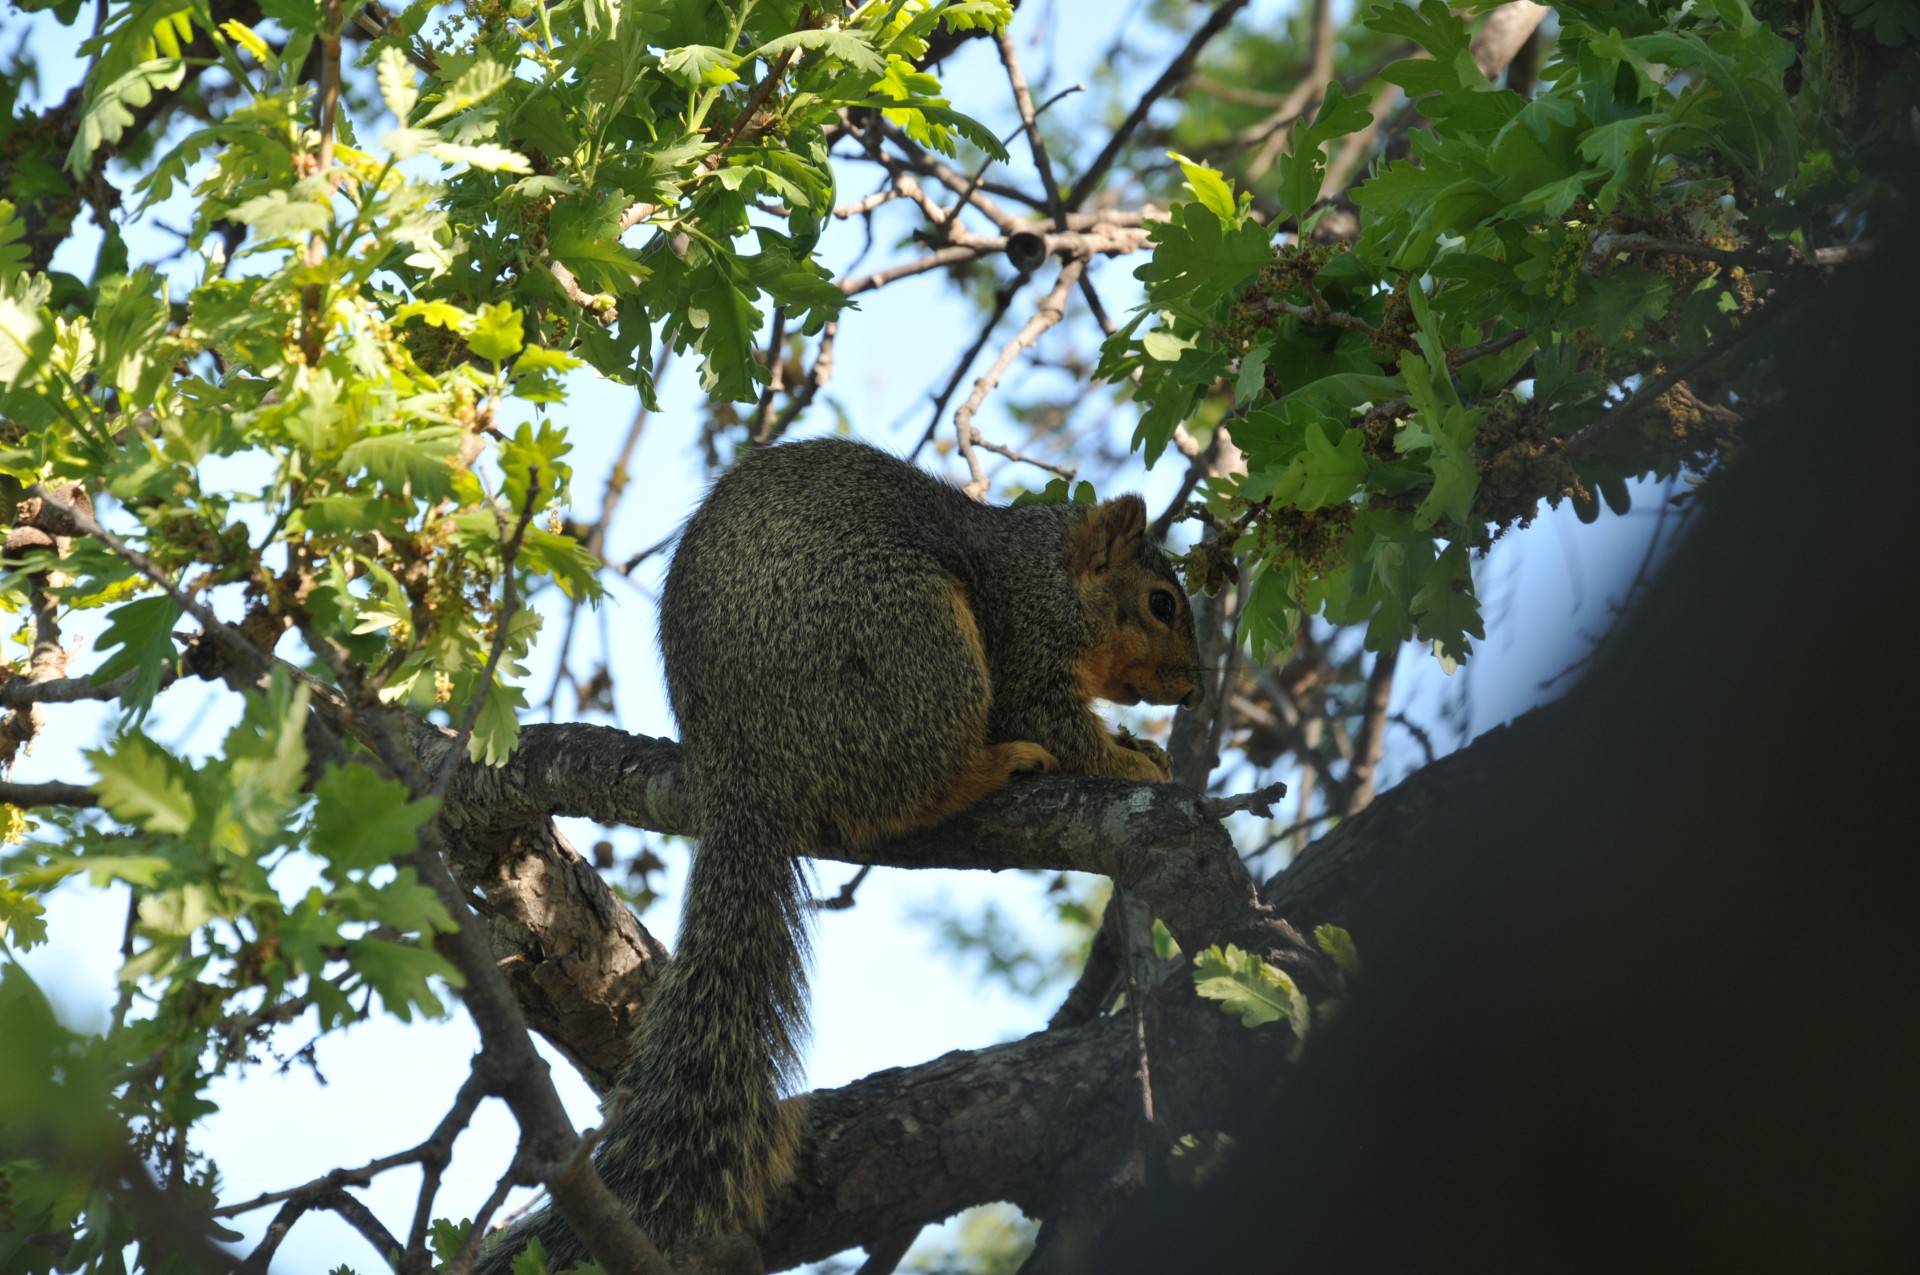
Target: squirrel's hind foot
point(988, 770)
point(1023, 758)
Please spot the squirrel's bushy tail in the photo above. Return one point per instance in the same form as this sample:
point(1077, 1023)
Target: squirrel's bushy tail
point(704, 1136)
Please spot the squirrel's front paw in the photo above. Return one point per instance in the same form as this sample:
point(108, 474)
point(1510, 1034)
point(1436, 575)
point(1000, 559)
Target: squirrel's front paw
point(1141, 758)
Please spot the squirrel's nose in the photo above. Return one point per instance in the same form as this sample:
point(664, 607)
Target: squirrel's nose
point(1191, 699)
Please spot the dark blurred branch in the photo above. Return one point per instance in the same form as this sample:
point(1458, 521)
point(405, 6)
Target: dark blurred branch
point(1175, 73)
point(1371, 742)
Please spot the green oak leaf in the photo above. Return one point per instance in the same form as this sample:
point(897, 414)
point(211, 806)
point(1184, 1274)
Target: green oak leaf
point(142, 784)
point(1196, 253)
point(143, 632)
point(699, 66)
point(1302, 171)
point(496, 332)
point(1248, 988)
point(362, 821)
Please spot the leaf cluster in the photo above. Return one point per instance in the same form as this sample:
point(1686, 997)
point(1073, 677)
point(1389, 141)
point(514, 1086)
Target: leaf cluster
point(333, 435)
point(1405, 395)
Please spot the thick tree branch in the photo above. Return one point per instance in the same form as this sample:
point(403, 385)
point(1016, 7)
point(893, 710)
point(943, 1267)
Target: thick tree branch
point(1160, 840)
point(1040, 1122)
point(1500, 37)
point(22, 691)
point(51, 793)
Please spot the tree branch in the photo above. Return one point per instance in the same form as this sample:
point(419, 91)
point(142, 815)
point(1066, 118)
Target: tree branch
point(1023, 99)
point(1371, 742)
point(1052, 309)
point(47, 794)
point(1175, 73)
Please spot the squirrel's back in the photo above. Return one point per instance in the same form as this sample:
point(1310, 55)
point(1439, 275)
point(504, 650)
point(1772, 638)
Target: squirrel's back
point(827, 627)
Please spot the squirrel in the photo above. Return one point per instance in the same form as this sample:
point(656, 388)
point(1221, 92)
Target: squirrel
point(854, 649)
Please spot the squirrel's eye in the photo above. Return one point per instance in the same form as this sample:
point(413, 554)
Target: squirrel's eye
point(1161, 603)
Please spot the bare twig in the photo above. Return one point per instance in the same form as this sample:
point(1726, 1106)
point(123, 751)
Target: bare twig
point(763, 414)
point(356, 1214)
point(1175, 73)
point(1052, 308)
point(1503, 33)
point(756, 98)
point(1238, 94)
point(1419, 732)
point(437, 1152)
point(657, 547)
point(635, 214)
point(884, 1255)
point(1492, 345)
point(1319, 313)
point(1002, 298)
point(861, 207)
point(1092, 295)
point(1294, 717)
point(843, 900)
point(313, 335)
point(1068, 472)
point(515, 1175)
point(1023, 99)
point(1200, 462)
point(373, 21)
point(1270, 134)
point(620, 474)
point(970, 190)
point(332, 1180)
point(230, 640)
point(1259, 801)
point(1297, 830)
point(361, 1219)
point(1274, 132)
point(1061, 220)
point(1610, 242)
point(594, 541)
point(817, 377)
point(947, 256)
point(605, 315)
point(1099, 235)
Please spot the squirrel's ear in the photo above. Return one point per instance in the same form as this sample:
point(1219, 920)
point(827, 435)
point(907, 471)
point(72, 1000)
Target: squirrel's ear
point(1113, 533)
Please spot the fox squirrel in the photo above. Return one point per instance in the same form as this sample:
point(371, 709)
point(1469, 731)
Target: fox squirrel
point(853, 650)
